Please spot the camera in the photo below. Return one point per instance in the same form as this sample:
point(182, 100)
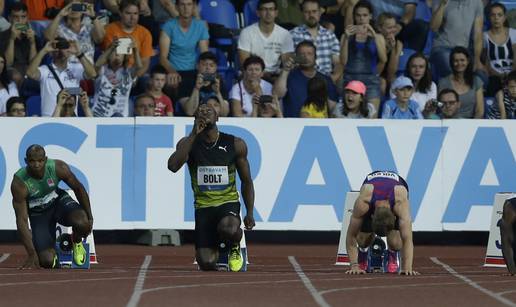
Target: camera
point(51, 12)
point(62, 43)
point(23, 27)
point(265, 99)
point(436, 104)
point(208, 77)
point(79, 7)
point(299, 59)
point(73, 91)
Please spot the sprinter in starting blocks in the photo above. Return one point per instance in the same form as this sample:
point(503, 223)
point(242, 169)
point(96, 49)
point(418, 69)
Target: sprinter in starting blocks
point(382, 208)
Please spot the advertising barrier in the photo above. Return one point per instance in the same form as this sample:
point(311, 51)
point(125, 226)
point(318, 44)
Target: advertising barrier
point(302, 168)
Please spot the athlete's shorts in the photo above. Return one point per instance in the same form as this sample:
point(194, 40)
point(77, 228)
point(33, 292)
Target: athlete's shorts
point(43, 223)
point(207, 220)
point(367, 225)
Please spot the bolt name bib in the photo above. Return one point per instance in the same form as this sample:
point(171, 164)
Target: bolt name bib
point(212, 177)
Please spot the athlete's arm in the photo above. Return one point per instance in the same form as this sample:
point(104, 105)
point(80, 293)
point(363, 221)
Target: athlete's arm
point(19, 192)
point(178, 158)
point(402, 211)
point(64, 173)
point(357, 217)
point(507, 234)
point(247, 188)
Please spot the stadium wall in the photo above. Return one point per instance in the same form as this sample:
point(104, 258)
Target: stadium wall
point(302, 168)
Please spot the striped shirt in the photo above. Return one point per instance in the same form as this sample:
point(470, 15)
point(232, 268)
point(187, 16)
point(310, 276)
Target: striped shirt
point(326, 44)
point(493, 111)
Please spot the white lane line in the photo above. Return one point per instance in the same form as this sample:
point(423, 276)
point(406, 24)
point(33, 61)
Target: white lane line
point(4, 257)
point(472, 283)
point(308, 284)
point(505, 292)
point(138, 286)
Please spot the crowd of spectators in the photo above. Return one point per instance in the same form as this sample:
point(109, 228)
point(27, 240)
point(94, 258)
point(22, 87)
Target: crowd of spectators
point(395, 59)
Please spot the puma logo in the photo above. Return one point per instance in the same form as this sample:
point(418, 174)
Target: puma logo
point(223, 148)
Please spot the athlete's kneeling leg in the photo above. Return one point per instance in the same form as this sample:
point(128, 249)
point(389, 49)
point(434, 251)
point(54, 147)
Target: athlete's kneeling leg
point(207, 258)
point(394, 242)
point(80, 224)
point(229, 229)
point(47, 258)
point(365, 239)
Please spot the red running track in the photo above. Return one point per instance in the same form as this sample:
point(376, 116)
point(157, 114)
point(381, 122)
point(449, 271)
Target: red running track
point(279, 275)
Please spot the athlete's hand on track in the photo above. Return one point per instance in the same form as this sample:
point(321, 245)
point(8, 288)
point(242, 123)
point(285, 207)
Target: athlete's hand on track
point(355, 270)
point(249, 222)
point(32, 261)
point(409, 273)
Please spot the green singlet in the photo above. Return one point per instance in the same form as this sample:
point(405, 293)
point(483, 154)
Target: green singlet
point(41, 191)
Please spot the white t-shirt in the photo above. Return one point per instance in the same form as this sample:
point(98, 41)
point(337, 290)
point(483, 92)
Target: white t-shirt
point(4, 96)
point(268, 48)
point(238, 92)
point(71, 76)
point(422, 98)
point(112, 89)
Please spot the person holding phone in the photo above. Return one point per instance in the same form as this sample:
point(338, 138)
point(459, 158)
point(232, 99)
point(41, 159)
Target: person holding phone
point(208, 83)
point(19, 43)
point(266, 106)
point(67, 100)
point(67, 73)
point(128, 27)
point(252, 85)
point(363, 52)
point(115, 80)
point(77, 21)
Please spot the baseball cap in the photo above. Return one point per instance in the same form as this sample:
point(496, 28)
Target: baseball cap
point(356, 86)
point(402, 82)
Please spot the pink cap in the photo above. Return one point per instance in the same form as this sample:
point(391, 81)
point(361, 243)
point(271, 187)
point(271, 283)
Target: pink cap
point(356, 86)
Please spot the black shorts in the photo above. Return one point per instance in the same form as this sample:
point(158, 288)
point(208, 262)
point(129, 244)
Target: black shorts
point(367, 224)
point(43, 223)
point(207, 220)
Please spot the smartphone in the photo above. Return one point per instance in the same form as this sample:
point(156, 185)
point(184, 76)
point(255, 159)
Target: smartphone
point(299, 59)
point(74, 91)
point(22, 27)
point(62, 44)
point(265, 99)
point(124, 46)
point(79, 7)
point(208, 77)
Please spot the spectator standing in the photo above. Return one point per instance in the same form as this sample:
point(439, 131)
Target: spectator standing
point(128, 27)
point(499, 48)
point(114, 81)
point(7, 87)
point(60, 73)
point(455, 23)
point(80, 26)
point(505, 105)
point(363, 52)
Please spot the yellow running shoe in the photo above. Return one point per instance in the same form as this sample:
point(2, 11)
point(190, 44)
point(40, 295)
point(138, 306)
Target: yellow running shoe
point(79, 253)
point(236, 260)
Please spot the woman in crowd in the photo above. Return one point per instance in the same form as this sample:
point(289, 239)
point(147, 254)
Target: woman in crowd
point(252, 84)
point(7, 87)
point(499, 48)
point(317, 103)
point(363, 52)
point(465, 83)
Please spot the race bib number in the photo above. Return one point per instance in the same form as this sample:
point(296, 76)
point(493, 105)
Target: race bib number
point(389, 175)
point(43, 201)
point(212, 176)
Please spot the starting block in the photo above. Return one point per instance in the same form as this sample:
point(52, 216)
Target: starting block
point(63, 248)
point(64, 252)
